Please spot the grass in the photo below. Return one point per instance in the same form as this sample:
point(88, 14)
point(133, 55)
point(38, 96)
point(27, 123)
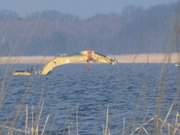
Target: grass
point(32, 126)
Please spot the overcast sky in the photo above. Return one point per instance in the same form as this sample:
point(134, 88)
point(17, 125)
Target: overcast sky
point(82, 8)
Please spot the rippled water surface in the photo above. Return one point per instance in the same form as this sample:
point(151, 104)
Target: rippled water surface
point(129, 90)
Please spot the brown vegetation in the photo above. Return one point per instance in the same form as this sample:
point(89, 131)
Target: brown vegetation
point(131, 58)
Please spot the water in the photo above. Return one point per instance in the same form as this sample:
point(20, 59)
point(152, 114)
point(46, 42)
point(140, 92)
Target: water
point(129, 90)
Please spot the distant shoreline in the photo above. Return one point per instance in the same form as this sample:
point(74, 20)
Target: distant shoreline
point(131, 58)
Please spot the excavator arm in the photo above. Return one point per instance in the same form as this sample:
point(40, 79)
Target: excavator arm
point(84, 57)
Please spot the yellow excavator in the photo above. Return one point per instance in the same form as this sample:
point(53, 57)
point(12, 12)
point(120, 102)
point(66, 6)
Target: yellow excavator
point(86, 56)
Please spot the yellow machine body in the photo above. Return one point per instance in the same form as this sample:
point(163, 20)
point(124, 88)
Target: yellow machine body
point(22, 73)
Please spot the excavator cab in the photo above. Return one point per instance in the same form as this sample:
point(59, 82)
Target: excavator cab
point(27, 72)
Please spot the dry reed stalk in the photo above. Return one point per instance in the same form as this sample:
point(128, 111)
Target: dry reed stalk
point(45, 124)
point(106, 129)
point(124, 126)
point(77, 121)
point(39, 118)
point(167, 115)
point(26, 121)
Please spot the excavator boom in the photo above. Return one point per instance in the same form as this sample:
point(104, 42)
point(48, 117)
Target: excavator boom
point(61, 60)
point(84, 57)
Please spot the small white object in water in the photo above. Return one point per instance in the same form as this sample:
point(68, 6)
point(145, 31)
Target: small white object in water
point(177, 65)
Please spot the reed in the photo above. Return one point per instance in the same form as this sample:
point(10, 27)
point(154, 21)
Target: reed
point(35, 128)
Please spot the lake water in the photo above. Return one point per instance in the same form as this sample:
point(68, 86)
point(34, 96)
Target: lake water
point(85, 91)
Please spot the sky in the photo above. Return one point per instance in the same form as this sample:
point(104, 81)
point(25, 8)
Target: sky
point(81, 8)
